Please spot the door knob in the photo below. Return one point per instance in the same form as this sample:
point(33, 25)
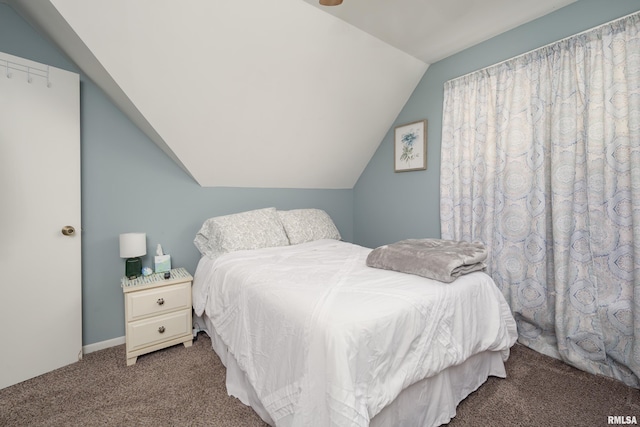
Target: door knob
point(68, 230)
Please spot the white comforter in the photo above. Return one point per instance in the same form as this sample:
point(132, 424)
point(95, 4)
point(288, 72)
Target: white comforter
point(325, 340)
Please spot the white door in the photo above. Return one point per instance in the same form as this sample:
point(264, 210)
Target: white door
point(40, 267)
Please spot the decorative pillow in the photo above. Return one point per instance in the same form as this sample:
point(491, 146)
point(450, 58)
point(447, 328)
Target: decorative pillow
point(255, 229)
point(306, 225)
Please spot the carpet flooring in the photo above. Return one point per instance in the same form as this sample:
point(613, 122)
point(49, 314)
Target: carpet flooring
point(182, 386)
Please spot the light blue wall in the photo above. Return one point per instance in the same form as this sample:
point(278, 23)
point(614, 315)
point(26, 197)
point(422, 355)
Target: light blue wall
point(391, 206)
point(128, 184)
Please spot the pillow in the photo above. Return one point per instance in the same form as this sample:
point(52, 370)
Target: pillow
point(254, 229)
point(306, 225)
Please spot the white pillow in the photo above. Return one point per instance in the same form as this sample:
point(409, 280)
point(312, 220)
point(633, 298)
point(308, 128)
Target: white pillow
point(306, 225)
point(260, 228)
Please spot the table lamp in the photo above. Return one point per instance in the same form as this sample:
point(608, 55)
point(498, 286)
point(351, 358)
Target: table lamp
point(132, 247)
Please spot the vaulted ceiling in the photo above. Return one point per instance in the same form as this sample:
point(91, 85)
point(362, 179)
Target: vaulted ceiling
point(255, 93)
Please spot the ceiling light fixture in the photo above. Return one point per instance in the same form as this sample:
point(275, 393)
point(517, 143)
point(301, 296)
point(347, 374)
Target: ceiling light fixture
point(330, 2)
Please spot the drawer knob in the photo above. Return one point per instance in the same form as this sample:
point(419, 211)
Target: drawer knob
point(160, 301)
point(161, 329)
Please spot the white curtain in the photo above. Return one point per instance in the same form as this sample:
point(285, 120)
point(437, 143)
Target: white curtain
point(541, 163)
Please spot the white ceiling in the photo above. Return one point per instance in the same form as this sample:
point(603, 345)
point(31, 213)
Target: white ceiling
point(250, 93)
point(431, 30)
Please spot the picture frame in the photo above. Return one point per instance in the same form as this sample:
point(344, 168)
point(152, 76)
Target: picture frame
point(410, 146)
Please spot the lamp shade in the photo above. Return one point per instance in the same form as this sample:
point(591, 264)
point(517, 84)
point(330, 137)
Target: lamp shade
point(133, 245)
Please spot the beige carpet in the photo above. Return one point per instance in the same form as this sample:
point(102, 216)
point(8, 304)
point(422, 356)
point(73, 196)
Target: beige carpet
point(186, 387)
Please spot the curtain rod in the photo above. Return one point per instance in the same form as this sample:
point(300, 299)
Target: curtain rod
point(27, 69)
point(545, 46)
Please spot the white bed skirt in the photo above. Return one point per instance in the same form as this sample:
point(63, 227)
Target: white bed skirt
point(430, 402)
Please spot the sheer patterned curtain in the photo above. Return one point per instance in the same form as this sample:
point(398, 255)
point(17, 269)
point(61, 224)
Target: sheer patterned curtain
point(541, 163)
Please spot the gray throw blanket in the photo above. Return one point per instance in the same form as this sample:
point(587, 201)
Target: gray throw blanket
point(443, 260)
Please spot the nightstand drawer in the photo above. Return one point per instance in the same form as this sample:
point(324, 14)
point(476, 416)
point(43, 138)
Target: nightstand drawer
point(157, 329)
point(159, 300)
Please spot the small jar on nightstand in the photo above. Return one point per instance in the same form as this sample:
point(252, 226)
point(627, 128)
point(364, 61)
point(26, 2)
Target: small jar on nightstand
point(157, 312)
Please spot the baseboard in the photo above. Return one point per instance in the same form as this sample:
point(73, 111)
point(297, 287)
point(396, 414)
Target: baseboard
point(102, 345)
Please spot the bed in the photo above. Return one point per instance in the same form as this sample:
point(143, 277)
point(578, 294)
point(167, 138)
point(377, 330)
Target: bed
point(312, 336)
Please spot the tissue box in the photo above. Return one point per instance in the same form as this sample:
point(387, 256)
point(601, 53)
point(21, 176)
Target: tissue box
point(162, 263)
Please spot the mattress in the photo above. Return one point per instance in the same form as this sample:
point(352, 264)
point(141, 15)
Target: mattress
point(319, 338)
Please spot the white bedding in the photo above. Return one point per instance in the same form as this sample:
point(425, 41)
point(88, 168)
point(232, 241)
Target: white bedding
point(325, 340)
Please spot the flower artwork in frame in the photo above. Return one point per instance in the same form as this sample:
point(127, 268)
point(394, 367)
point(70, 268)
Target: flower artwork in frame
point(411, 147)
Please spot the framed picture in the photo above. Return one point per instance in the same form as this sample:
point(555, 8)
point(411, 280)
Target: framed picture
point(410, 152)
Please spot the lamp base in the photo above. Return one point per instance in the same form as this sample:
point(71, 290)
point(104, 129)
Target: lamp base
point(133, 268)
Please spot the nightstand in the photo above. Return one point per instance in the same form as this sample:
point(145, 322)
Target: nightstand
point(157, 312)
